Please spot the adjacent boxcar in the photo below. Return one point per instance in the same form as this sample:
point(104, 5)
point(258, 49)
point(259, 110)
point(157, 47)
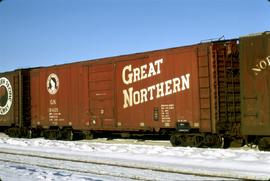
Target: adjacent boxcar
point(15, 99)
point(255, 88)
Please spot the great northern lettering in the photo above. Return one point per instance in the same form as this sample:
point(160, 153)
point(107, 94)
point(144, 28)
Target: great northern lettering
point(164, 88)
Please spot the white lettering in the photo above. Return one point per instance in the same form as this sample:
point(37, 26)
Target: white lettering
point(256, 70)
point(268, 60)
point(176, 85)
point(151, 90)
point(128, 97)
point(157, 63)
point(143, 95)
point(129, 80)
point(143, 74)
point(136, 74)
point(152, 71)
point(136, 97)
point(156, 91)
point(168, 89)
point(160, 92)
point(262, 65)
point(185, 81)
point(53, 102)
point(130, 75)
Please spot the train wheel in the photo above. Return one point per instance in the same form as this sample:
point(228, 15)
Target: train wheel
point(174, 140)
point(46, 134)
point(264, 144)
point(213, 141)
point(199, 141)
point(217, 141)
point(13, 132)
point(88, 135)
point(226, 142)
point(67, 134)
point(24, 132)
point(52, 134)
point(33, 133)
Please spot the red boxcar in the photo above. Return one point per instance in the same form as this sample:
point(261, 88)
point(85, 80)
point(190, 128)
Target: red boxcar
point(192, 89)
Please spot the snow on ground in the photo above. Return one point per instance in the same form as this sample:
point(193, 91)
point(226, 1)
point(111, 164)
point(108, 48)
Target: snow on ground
point(236, 163)
point(22, 172)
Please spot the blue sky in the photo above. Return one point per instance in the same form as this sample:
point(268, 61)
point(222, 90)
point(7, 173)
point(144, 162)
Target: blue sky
point(41, 33)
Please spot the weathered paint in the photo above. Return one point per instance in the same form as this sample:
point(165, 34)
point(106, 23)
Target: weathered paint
point(255, 83)
point(14, 98)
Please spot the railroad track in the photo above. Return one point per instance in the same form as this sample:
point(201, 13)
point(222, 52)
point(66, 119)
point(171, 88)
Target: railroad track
point(99, 167)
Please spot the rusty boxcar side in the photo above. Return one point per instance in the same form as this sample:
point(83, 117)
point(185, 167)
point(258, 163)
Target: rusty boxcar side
point(219, 95)
point(158, 90)
point(144, 91)
point(255, 88)
point(15, 99)
point(188, 89)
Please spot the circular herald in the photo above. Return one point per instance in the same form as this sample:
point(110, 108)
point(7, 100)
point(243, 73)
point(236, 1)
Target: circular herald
point(52, 83)
point(6, 95)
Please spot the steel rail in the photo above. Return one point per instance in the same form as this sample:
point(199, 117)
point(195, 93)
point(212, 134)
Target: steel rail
point(106, 163)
